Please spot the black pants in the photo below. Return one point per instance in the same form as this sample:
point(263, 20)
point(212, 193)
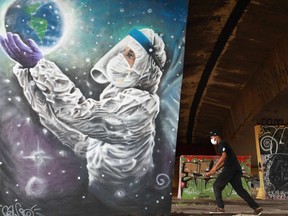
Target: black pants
point(234, 178)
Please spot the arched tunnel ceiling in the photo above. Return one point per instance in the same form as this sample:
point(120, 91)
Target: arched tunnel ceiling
point(258, 30)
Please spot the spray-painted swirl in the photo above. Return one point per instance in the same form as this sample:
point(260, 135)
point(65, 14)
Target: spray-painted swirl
point(269, 144)
point(162, 181)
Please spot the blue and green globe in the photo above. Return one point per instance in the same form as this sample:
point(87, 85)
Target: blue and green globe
point(40, 20)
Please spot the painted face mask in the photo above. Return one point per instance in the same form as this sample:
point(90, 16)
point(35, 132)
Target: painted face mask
point(120, 74)
point(213, 141)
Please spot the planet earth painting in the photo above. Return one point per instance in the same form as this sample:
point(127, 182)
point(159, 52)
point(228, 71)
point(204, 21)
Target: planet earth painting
point(40, 20)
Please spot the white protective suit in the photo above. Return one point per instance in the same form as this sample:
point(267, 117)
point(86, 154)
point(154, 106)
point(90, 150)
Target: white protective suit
point(116, 133)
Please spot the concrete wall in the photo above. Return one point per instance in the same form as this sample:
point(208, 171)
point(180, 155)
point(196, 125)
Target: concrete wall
point(262, 98)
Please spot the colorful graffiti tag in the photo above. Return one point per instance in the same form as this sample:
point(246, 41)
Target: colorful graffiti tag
point(192, 181)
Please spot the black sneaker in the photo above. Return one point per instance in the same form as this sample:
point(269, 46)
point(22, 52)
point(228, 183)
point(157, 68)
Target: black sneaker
point(258, 211)
point(219, 209)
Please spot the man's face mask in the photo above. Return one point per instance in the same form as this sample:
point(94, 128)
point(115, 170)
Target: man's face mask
point(120, 73)
point(213, 141)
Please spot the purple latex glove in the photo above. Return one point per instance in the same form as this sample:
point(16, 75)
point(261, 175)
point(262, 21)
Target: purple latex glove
point(28, 55)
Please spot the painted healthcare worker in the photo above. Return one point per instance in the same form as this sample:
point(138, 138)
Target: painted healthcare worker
point(115, 133)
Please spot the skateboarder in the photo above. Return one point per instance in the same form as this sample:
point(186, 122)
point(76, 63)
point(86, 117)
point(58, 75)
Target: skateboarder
point(231, 173)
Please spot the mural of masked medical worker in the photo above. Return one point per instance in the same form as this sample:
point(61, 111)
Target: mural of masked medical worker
point(115, 133)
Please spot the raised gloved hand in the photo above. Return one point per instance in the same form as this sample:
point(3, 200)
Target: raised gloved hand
point(27, 55)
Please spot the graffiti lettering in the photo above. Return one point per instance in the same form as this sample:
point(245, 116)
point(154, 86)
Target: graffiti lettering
point(277, 194)
point(194, 184)
point(270, 121)
point(17, 210)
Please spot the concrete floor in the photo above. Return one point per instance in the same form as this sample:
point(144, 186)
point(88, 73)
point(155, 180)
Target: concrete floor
point(235, 207)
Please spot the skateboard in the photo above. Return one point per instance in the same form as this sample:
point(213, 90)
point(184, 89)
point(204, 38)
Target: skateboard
point(229, 213)
point(218, 213)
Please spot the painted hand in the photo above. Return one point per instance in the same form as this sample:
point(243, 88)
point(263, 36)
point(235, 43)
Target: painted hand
point(28, 55)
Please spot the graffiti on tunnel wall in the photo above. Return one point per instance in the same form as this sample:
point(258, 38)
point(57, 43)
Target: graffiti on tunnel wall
point(192, 181)
point(272, 154)
point(89, 101)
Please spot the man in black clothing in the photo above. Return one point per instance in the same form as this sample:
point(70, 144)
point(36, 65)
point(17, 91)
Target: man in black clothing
point(231, 173)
